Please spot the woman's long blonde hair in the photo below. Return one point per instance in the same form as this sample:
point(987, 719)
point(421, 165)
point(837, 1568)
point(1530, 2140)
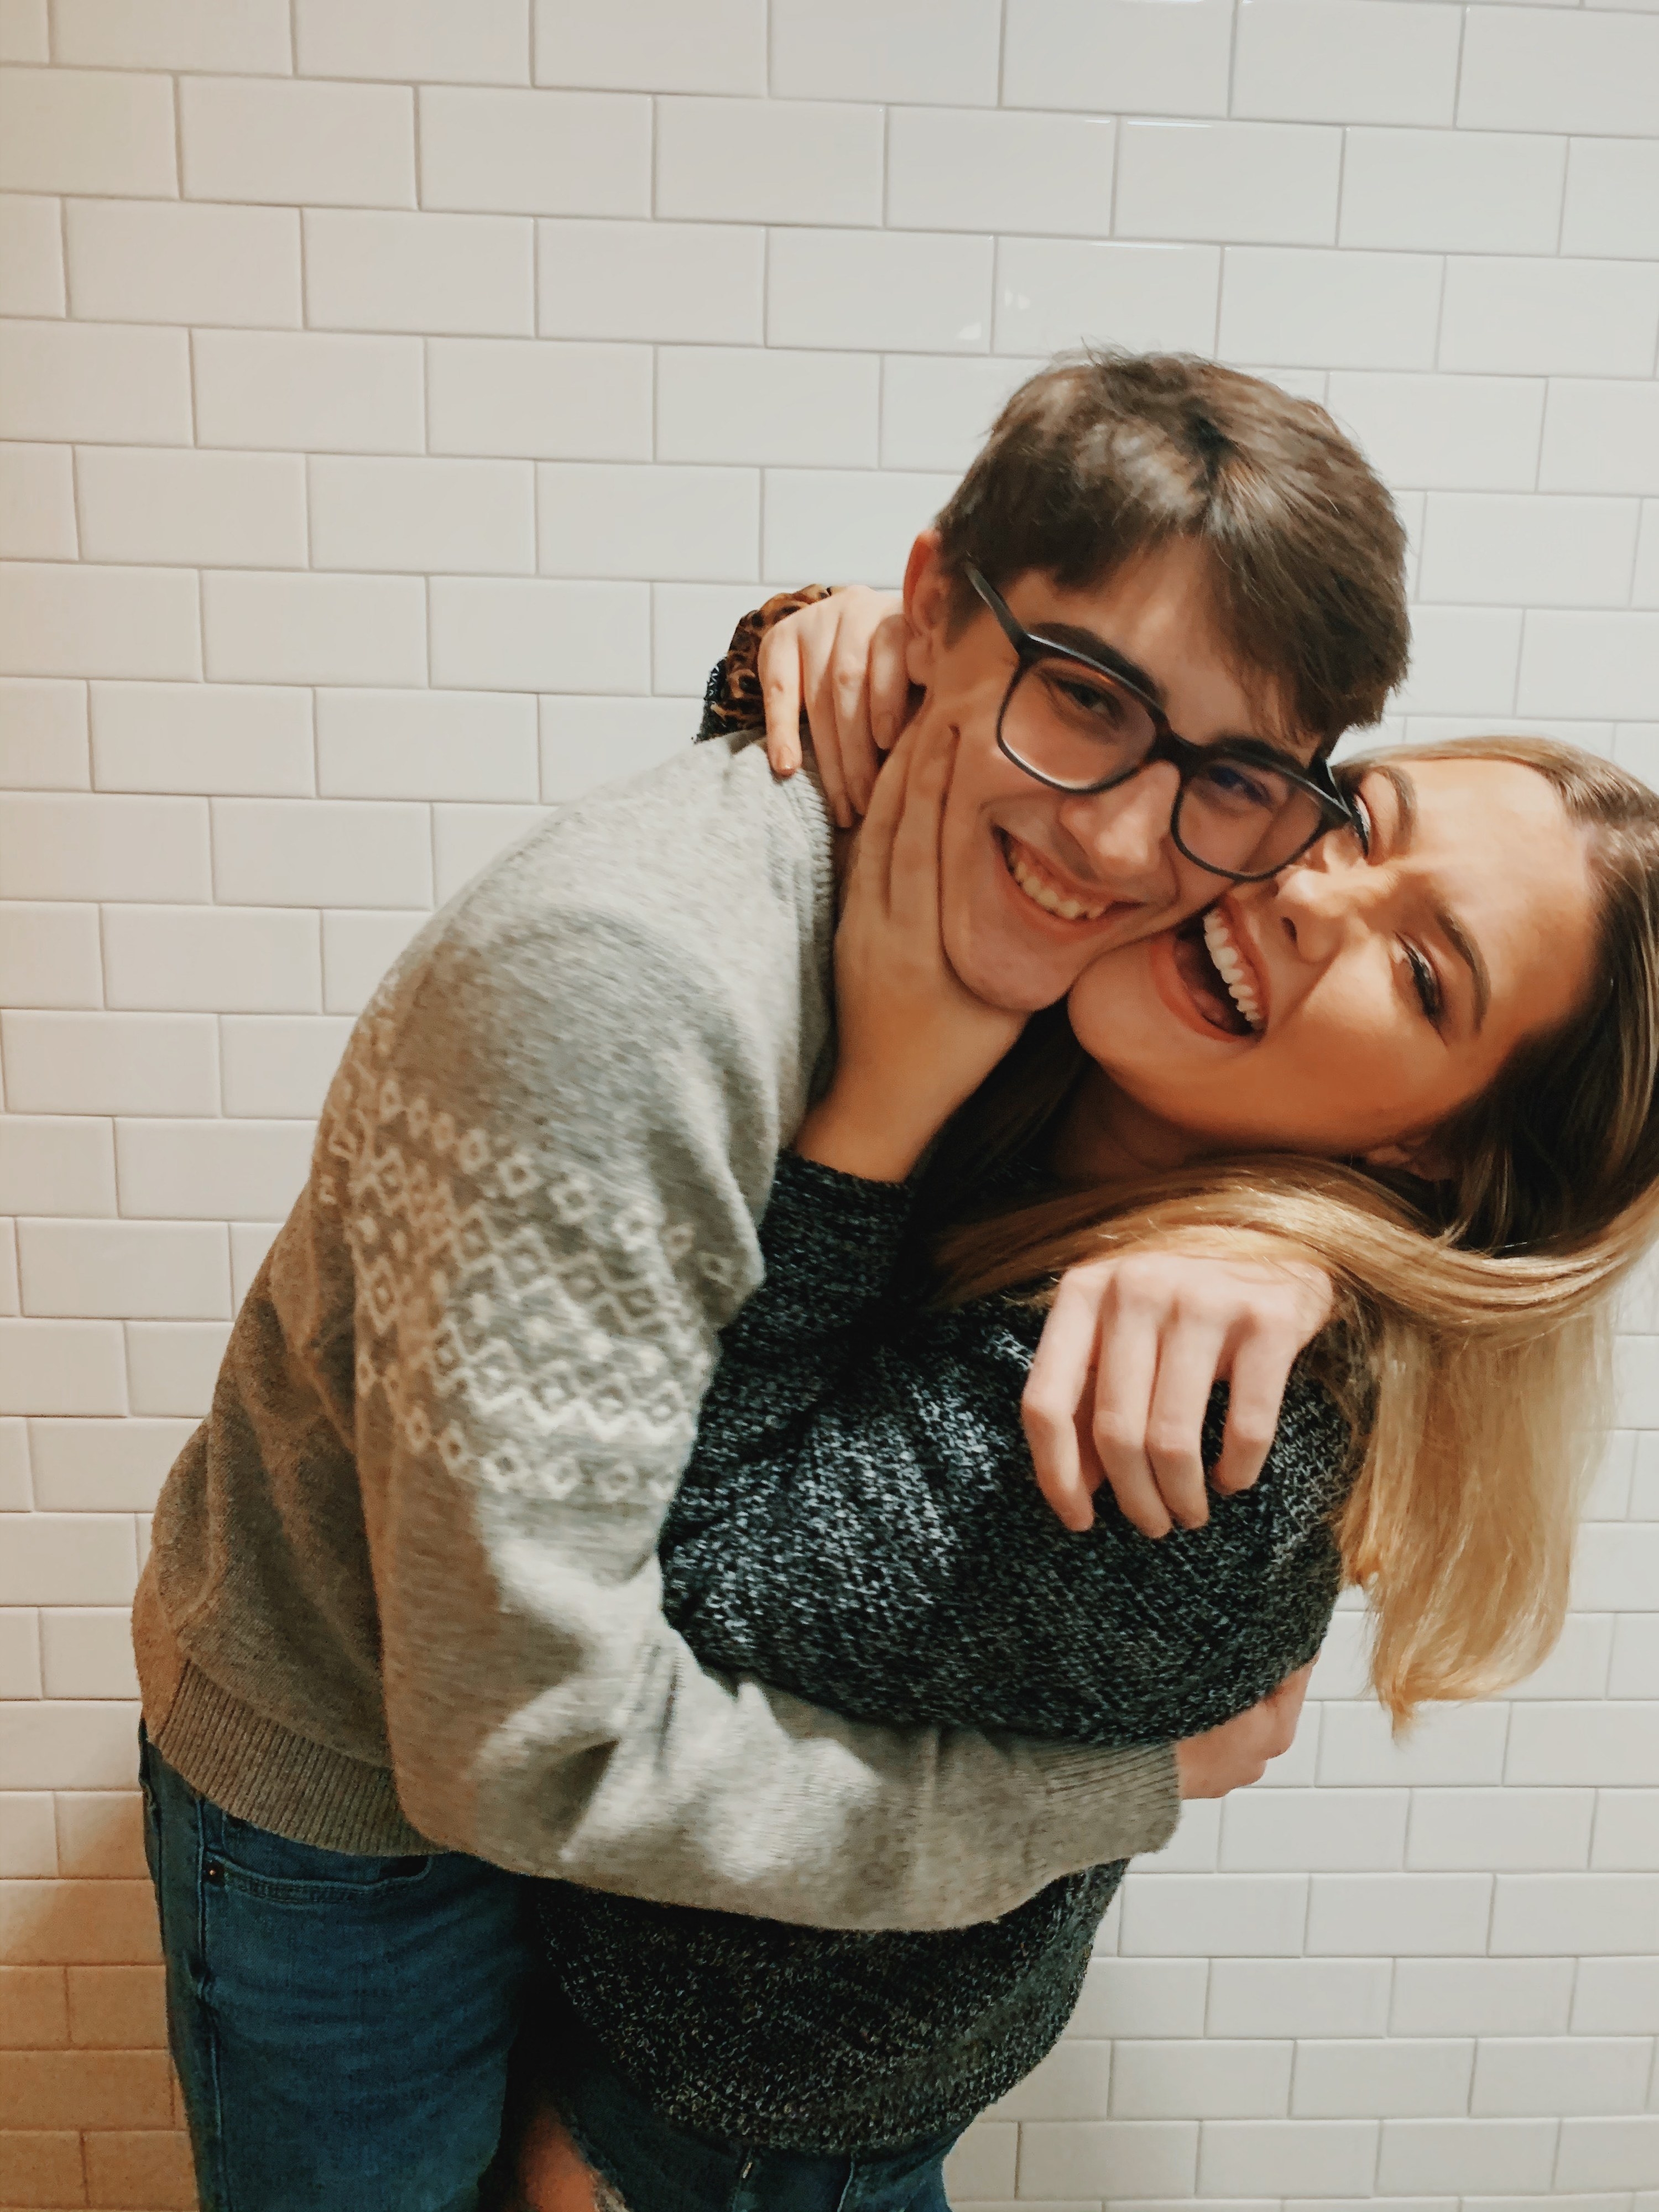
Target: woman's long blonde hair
point(1470, 1349)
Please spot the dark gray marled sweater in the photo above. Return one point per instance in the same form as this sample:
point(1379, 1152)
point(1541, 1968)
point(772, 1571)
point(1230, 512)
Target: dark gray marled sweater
point(860, 1524)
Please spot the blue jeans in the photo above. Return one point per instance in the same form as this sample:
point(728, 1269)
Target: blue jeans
point(341, 2025)
point(657, 2167)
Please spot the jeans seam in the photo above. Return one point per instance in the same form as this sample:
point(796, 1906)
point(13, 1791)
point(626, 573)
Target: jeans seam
point(204, 1980)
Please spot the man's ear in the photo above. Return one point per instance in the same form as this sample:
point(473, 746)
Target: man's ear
point(1424, 1157)
point(928, 602)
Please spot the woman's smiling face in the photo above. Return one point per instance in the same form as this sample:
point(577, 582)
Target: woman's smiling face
point(1360, 998)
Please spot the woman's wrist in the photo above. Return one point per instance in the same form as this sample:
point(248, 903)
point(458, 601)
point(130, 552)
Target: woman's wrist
point(856, 1138)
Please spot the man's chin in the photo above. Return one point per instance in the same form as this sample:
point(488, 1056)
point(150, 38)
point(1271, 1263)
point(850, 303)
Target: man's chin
point(1013, 983)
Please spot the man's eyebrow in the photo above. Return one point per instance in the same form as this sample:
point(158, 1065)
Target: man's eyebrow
point(1092, 646)
point(1076, 639)
point(1455, 932)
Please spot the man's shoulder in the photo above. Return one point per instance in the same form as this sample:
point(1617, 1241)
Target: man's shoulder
point(700, 891)
point(692, 850)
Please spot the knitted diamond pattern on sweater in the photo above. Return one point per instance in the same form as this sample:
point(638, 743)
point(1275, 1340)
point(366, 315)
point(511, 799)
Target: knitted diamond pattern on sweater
point(508, 1312)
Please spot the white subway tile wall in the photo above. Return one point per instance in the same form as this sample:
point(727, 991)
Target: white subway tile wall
point(399, 400)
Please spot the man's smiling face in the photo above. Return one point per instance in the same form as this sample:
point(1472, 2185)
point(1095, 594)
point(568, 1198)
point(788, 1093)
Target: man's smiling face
point(1035, 884)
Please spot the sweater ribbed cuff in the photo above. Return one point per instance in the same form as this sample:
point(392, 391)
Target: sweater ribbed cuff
point(1114, 1804)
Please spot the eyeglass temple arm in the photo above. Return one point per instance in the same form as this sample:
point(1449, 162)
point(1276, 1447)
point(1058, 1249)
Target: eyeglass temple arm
point(1006, 621)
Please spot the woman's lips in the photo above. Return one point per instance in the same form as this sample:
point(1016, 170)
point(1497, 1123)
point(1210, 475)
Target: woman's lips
point(1187, 981)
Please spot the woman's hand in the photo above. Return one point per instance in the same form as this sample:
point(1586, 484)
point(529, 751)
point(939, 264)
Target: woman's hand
point(1237, 1753)
point(841, 661)
point(1133, 1348)
point(912, 1042)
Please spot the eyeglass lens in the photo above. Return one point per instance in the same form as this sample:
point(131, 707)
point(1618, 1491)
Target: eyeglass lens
point(1079, 729)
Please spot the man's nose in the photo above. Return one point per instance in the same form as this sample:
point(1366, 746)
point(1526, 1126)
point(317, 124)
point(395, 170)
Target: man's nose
point(1124, 831)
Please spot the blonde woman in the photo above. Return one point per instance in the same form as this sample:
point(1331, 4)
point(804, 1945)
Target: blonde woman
point(1449, 1010)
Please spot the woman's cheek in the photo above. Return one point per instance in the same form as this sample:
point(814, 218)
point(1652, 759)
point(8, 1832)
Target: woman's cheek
point(1375, 1082)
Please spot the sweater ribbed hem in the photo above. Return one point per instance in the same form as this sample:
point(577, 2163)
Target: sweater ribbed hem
point(258, 1771)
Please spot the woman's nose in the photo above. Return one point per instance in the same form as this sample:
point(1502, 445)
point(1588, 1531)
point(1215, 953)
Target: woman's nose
point(1313, 902)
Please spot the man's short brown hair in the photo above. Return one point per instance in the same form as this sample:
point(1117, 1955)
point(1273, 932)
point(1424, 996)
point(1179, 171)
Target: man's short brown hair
point(1102, 456)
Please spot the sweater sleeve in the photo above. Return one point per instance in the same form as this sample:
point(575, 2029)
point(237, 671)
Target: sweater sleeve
point(546, 1240)
point(831, 1245)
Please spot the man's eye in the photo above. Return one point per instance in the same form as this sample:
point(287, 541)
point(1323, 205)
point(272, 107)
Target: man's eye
point(1094, 700)
point(1231, 780)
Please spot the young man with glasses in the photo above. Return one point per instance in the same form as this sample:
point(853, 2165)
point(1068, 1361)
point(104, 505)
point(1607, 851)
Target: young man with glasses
point(401, 1616)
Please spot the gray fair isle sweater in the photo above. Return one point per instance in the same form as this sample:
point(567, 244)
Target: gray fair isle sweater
point(858, 1524)
point(403, 1589)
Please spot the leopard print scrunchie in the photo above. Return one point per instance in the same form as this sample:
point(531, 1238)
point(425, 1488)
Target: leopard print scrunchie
point(733, 698)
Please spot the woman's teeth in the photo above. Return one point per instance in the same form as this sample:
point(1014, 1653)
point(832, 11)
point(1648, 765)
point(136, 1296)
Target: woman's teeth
point(1042, 892)
point(1217, 941)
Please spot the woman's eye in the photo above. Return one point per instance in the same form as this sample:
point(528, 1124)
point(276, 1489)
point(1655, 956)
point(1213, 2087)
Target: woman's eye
point(1362, 823)
point(1425, 983)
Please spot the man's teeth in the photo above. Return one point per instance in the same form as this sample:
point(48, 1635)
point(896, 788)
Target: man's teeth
point(1044, 893)
point(1234, 974)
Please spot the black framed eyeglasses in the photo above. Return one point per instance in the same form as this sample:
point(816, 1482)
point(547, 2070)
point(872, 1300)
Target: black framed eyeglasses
point(1244, 810)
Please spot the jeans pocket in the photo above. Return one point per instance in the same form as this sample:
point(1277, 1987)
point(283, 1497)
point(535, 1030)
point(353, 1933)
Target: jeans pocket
point(255, 1861)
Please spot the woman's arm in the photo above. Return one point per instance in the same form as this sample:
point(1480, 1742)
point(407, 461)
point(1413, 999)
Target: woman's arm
point(863, 1528)
point(831, 1245)
point(859, 1512)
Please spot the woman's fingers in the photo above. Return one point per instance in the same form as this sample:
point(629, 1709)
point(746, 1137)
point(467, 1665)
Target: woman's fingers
point(1260, 1367)
point(871, 872)
point(826, 745)
point(1126, 1375)
point(1191, 1351)
point(850, 693)
point(1287, 1701)
point(914, 876)
point(818, 658)
point(1237, 1753)
point(889, 681)
point(1058, 1404)
point(780, 667)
